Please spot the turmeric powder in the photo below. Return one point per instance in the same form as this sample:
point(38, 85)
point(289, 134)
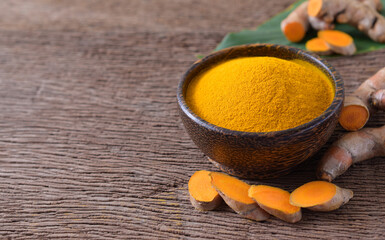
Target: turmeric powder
point(260, 94)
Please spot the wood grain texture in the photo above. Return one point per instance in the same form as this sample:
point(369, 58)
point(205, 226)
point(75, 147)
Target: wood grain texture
point(91, 145)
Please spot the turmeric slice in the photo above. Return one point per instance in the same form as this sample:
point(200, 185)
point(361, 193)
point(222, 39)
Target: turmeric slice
point(320, 196)
point(365, 101)
point(351, 148)
point(296, 24)
point(360, 14)
point(203, 195)
point(318, 46)
point(338, 41)
point(235, 193)
point(276, 202)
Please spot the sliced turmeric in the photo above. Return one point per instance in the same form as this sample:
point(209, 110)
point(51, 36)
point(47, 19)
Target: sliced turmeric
point(320, 196)
point(276, 202)
point(365, 101)
point(257, 202)
point(359, 14)
point(351, 148)
point(296, 24)
point(338, 41)
point(235, 193)
point(318, 46)
point(203, 195)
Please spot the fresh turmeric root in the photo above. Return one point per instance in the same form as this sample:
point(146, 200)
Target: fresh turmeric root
point(235, 193)
point(276, 202)
point(320, 196)
point(356, 13)
point(351, 148)
point(296, 24)
point(365, 101)
point(318, 46)
point(374, 4)
point(338, 41)
point(319, 24)
point(203, 195)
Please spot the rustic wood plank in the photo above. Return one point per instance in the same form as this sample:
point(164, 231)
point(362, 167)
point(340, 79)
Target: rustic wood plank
point(91, 143)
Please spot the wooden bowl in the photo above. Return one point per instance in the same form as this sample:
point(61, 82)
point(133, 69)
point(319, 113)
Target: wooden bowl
point(260, 154)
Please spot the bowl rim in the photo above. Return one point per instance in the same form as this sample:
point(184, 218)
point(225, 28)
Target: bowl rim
point(333, 107)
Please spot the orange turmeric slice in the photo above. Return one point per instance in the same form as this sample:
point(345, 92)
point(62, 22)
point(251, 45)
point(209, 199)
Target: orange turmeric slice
point(203, 195)
point(318, 46)
point(320, 196)
point(276, 202)
point(338, 41)
point(235, 193)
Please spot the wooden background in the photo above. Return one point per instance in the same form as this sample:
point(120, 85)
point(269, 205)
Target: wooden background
point(91, 145)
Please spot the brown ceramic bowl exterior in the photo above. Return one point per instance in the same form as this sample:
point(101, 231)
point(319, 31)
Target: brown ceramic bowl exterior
point(257, 154)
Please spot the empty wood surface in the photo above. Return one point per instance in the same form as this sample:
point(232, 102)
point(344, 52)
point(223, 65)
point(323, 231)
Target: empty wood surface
point(91, 145)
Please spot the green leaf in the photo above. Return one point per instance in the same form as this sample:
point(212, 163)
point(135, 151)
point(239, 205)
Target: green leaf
point(270, 32)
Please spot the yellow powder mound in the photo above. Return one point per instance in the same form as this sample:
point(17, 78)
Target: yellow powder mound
point(260, 94)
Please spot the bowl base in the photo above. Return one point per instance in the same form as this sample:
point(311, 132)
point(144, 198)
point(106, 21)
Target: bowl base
point(249, 174)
